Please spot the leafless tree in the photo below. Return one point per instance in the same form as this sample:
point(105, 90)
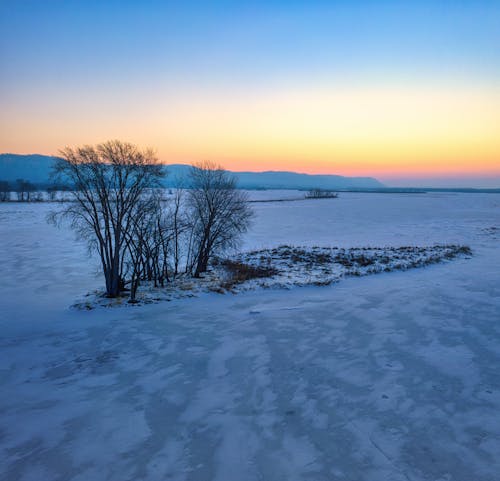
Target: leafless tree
point(52, 192)
point(140, 242)
point(179, 226)
point(24, 190)
point(219, 213)
point(321, 194)
point(109, 182)
point(152, 243)
point(4, 191)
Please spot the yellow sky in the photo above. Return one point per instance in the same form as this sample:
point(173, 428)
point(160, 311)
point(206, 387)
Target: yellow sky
point(384, 130)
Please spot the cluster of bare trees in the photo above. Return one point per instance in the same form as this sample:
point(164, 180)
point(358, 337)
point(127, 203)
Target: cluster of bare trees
point(153, 244)
point(321, 194)
point(54, 190)
point(24, 189)
point(119, 208)
point(4, 191)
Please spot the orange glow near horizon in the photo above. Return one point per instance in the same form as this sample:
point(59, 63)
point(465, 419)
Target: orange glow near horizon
point(380, 131)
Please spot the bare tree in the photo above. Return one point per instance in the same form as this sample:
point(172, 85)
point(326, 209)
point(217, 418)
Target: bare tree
point(151, 243)
point(4, 191)
point(24, 190)
point(179, 226)
point(219, 213)
point(141, 246)
point(109, 182)
point(52, 192)
point(321, 194)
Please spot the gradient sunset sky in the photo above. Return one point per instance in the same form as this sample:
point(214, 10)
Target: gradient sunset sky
point(406, 91)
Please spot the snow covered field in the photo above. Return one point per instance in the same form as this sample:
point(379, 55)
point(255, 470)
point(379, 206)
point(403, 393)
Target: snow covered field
point(389, 377)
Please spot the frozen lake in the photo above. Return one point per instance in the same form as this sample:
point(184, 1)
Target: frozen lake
point(390, 377)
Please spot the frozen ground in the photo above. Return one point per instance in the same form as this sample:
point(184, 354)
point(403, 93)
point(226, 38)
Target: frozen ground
point(282, 267)
point(387, 377)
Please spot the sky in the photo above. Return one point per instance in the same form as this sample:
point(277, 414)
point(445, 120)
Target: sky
point(405, 91)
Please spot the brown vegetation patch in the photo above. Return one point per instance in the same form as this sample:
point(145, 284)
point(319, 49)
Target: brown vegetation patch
point(240, 272)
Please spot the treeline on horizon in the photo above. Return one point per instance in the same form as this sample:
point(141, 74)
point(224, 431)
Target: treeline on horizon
point(23, 190)
point(26, 191)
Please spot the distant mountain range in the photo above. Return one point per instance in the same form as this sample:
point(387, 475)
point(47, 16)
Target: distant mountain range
point(283, 180)
point(36, 168)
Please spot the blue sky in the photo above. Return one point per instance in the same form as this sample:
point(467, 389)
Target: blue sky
point(255, 42)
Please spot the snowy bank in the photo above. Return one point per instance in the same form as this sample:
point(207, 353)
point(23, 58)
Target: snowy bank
point(285, 267)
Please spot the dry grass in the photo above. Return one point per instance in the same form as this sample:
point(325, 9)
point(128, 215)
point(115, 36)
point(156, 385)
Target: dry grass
point(240, 272)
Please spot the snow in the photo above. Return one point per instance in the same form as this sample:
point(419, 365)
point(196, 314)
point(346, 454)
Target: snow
point(282, 267)
point(386, 377)
point(299, 266)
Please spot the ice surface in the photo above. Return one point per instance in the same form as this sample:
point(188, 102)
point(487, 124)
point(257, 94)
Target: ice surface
point(387, 377)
